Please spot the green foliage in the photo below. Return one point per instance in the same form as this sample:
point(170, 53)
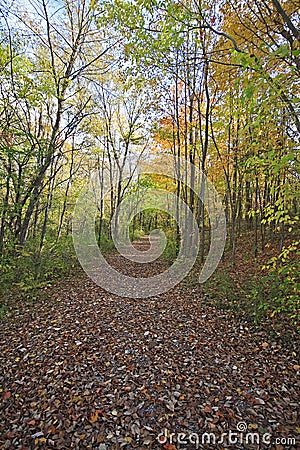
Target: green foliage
point(275, 294)
point(106, 243)
point(136, 234)
point(170, 252)
point(30, 269)
point(2, 311)
point(279, 290)
point(222, 291)
point(278, 214)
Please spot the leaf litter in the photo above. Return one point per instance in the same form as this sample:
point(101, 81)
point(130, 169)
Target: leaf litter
point(83, 369)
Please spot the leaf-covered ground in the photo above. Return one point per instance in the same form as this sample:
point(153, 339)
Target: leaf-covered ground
point(81, 368)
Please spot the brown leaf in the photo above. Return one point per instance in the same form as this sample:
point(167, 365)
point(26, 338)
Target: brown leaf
point(94, 416)
point(31, 422)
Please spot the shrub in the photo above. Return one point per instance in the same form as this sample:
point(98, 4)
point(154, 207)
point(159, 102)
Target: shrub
point(279, 290)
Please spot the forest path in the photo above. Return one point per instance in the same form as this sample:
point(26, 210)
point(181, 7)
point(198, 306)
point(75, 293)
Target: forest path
point(82, 368)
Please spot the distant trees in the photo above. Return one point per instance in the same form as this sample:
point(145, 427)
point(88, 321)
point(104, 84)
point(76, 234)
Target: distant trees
point(43, 104)
point(228, 74)
point(58, 116)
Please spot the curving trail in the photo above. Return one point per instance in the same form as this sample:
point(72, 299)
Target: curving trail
point(84, 369)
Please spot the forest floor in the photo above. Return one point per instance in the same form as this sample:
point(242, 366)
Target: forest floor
point(82, 368)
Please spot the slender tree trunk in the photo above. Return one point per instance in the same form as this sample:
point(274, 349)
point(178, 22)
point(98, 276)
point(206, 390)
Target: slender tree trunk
point(203, 161)
point(64, 208)
point(101, 174)
point(5, 207)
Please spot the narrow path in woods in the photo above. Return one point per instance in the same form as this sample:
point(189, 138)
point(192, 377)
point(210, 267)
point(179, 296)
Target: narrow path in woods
point(81, 368)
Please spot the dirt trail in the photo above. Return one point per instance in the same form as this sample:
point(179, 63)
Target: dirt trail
point(81, 368)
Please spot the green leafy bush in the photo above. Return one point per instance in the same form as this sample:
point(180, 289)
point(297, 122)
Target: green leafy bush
point(279, 290)
point(29, 269)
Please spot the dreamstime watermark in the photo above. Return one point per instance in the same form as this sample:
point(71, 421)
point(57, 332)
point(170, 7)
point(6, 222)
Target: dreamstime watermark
point(241, 436)
point(140, 199)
